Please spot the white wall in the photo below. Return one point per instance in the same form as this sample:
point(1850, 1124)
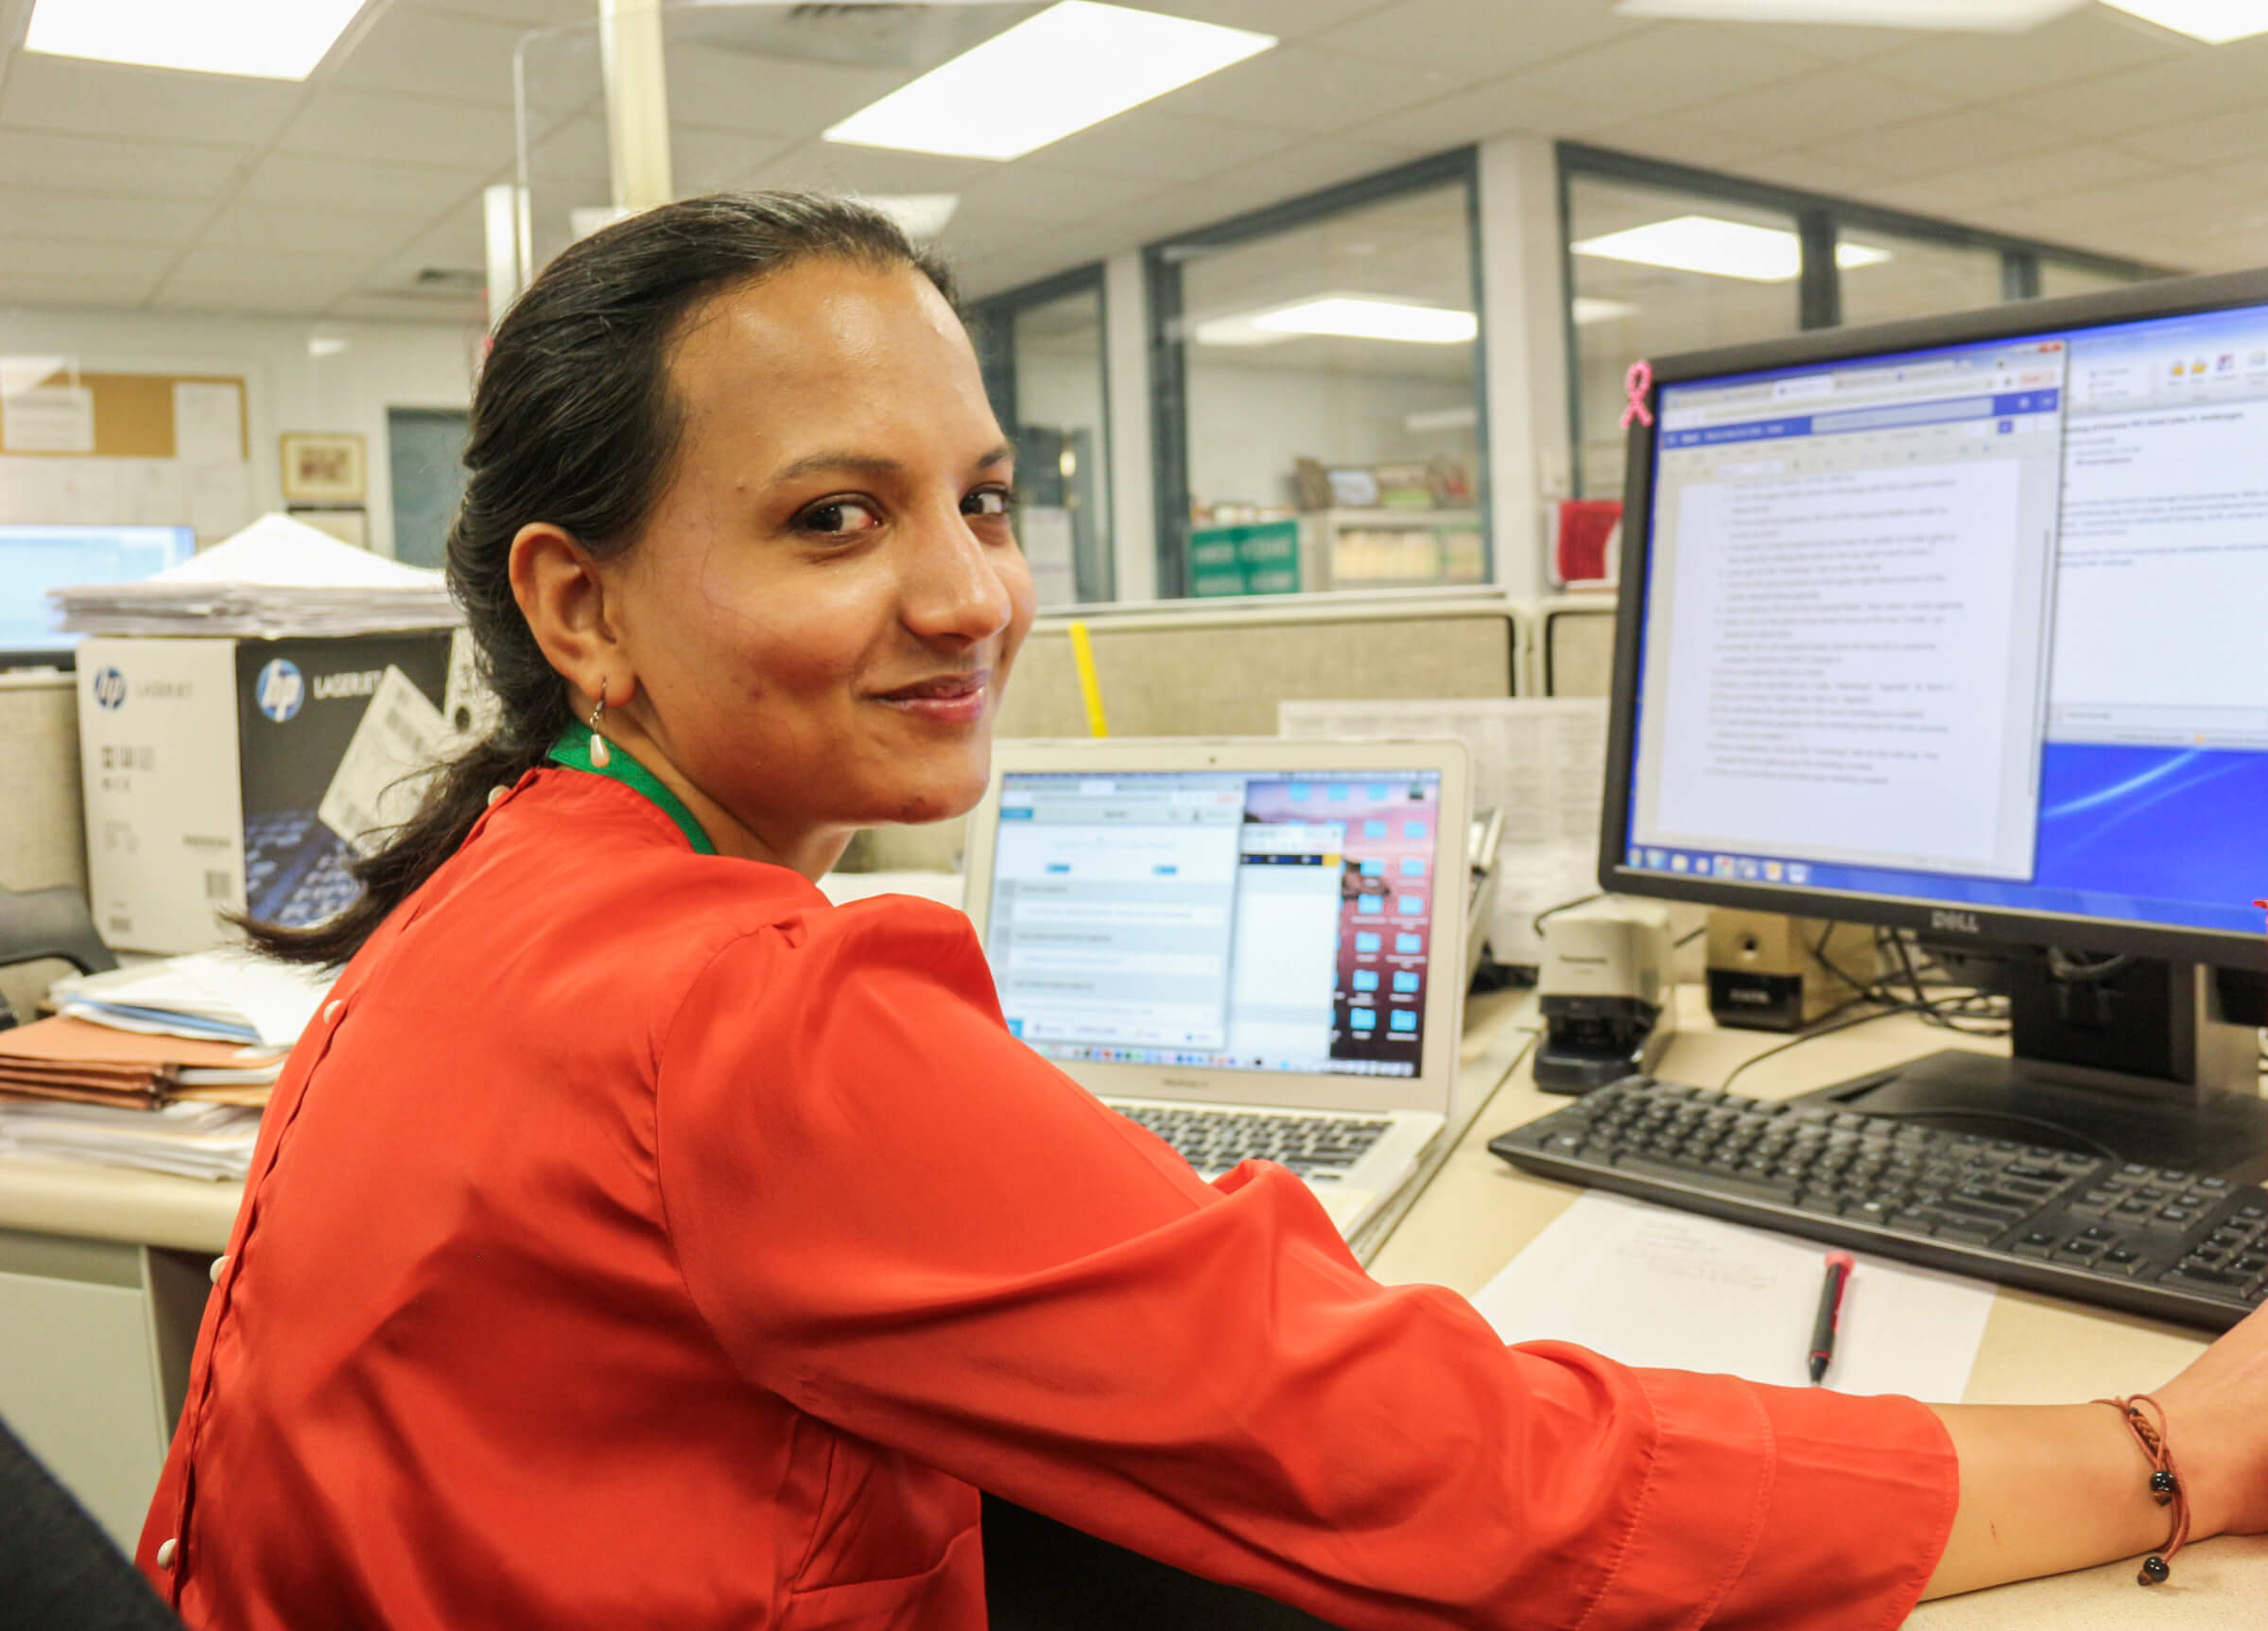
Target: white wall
point(384, 365)
point(1249, 426)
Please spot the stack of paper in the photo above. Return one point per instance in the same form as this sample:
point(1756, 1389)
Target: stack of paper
point(229, 996)
point(191, 1140)
point(71, 1059)
point(277, 576)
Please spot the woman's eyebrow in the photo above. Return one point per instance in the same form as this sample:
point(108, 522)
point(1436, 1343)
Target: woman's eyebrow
point(869, 463)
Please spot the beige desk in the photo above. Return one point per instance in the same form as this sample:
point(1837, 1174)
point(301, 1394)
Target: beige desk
point(1479, 1212)
point(107, 1267)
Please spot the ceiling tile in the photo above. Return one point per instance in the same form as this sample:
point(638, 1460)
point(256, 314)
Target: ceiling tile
point(402, 129)
point(1169, 146)
point(422, 53)
point(453, 312)
point(1299, 89)
point(90, 165)
point(70, 93)
point(1030, 191)
point(727, 90)
point(1491, 110)
point(1284, 19)
point(2192, 82)
point(103, 219)
point(28, 257)
point(1942, 142)
point(75, 291)
point(357, 184)
point(2191, 197)
point(1673, 66)
point(1681, 139)
point(214, 279)
point(1992, 67)
point(1471, 42)
point(2040, 177)
point(1813, 172)
point(712, 161)
point(2236, 134)
point(530, 14)
point(1829, 42)
point(832, 166)
point(1815, 108)
point(297, 229)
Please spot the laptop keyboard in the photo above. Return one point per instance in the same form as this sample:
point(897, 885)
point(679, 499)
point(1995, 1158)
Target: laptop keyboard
point(1214, 1140)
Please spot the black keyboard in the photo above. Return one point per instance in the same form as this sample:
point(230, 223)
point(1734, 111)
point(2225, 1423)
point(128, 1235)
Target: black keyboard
point(1214, 1140)
point(2175, 1244)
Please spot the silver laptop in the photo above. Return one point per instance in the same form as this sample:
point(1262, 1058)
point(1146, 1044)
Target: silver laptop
point(1252, 947)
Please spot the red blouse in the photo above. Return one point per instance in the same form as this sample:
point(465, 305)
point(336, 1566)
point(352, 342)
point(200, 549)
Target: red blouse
point(638, 1239)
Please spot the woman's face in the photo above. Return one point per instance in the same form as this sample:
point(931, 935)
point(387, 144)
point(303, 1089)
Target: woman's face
point(823, 609)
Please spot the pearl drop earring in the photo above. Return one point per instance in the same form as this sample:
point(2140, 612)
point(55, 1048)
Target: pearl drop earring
point(600, 756)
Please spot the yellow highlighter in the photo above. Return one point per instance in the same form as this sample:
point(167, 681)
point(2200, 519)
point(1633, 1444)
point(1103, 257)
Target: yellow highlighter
point(1082, 652)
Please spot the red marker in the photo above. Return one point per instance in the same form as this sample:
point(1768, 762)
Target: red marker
point(1830, 1313)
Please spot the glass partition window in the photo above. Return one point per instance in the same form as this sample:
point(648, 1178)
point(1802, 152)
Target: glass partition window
point(1331, 383)
point(1061, 437)
point(1888, 275)
point(1652, 272)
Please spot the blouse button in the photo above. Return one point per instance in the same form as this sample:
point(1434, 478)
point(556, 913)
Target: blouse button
point(220, 1265)
point(331, 1010)
point(167, 1547)
point(496, 796)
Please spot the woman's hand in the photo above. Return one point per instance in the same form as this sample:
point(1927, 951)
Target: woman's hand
point(2217, 1427)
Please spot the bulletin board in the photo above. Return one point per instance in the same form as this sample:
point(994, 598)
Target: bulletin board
point(127, 449)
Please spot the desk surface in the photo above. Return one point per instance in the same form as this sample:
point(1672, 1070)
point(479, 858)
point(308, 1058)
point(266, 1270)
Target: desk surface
point(1475, 1214)
point(1479, 1212)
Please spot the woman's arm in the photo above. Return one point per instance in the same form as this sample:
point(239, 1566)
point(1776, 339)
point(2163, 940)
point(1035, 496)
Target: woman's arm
point(2047, 1488)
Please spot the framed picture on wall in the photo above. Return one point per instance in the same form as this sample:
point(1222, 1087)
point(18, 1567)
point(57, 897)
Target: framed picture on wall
point(326, 468)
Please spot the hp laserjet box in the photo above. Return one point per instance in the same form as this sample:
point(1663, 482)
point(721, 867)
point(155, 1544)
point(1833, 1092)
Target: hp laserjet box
point(245, 775)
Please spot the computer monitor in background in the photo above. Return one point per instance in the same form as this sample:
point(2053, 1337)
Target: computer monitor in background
point(35, 559)
point(1961, 625)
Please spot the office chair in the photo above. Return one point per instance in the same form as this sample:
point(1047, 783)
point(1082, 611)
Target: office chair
point(57, 1566)
point(43, 923)
point(1042, 1575)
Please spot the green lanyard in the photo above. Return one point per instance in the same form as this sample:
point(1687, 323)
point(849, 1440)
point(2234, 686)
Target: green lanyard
point(574, 751)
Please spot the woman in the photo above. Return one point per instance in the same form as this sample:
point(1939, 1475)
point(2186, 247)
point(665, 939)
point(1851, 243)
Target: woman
point(637, 1240)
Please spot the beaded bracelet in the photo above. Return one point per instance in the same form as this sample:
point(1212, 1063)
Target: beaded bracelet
point(2149, 1430)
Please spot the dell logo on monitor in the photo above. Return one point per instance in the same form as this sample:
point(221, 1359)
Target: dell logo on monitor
point(110, 689)
point(1959, 922)
point(280, 691)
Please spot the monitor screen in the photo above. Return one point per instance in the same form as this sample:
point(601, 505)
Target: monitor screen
point(1977, 626)
point(34, 560)
point(1238, 920)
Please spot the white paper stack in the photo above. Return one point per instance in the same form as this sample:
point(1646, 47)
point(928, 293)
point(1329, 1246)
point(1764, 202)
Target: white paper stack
point(275, 579)
point(189, 1141)
point(229, 994)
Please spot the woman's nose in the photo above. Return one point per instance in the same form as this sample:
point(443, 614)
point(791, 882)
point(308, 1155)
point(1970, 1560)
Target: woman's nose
point(953, 586)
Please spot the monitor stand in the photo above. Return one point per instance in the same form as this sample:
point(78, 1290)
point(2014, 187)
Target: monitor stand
point(2138, 1062)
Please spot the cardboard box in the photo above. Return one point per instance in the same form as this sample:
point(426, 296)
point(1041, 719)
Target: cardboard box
point(228, 775)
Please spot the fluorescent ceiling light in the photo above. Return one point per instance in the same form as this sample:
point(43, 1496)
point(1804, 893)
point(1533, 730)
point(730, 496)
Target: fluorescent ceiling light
point(254, 39)
point(921, 217)
point(323, 345)
point(1587, 309)
point(1719, 248)
point(1974, 16)
point(1366, 317)
point(2215, 21)
point(1075, 64)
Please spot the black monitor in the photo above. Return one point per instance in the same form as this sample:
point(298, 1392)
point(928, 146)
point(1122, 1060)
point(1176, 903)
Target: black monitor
point(35, 559)
point(1961, 625)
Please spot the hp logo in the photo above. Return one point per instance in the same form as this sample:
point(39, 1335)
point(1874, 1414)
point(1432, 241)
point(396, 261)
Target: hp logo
point(280, 691)
point(110, 689)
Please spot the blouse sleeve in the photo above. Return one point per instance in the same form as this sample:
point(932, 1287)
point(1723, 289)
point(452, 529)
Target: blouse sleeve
point(905, 1222)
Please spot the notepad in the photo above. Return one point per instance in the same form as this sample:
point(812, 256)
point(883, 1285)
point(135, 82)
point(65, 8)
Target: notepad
point(1668, 1290)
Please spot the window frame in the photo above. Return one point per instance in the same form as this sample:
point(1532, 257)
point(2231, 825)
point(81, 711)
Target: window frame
point(1162, 261)
point(992, 325)
point(1820, 219)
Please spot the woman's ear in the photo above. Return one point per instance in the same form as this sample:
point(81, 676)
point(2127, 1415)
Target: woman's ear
point(563, 596)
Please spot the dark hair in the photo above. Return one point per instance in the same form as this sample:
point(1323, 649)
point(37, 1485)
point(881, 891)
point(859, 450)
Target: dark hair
point(574, 423)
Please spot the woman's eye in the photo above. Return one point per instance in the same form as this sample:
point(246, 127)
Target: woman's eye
point(839, 516)
point(988, 502)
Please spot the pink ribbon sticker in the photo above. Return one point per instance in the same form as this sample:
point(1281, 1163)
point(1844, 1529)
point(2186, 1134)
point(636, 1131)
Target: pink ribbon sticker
point(1635, 384)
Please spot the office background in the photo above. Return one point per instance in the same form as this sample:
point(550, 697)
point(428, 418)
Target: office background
point(323, 241)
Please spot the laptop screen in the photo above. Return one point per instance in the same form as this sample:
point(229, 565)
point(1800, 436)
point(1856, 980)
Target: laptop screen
point(1236, 920)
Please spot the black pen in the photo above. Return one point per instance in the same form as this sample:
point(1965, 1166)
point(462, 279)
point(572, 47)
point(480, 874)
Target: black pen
point(1830, 1314)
